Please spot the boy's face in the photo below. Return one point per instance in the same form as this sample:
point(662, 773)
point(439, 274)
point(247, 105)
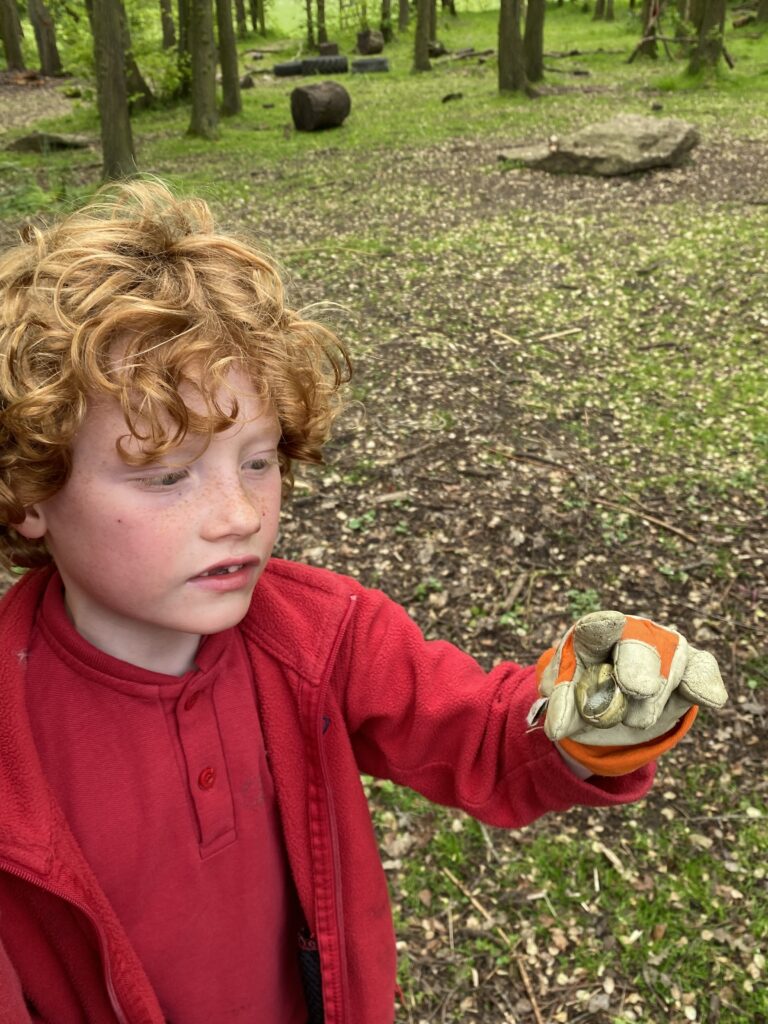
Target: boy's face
point(141, 549)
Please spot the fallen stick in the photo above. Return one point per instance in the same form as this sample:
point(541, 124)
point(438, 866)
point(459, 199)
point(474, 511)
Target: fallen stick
point(502, 934)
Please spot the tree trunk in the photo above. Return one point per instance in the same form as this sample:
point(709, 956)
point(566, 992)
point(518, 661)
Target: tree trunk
point(403, 15)
point(139, 93)
point(599, 14)
point(111, 87)
point(322, 31)
point(386, 20)
point(610, 14)
point(45, 37)
point(240, 19)
point(709, 23)
point(11, 33)
point(648, 19)
point(260, 17)
point(204, 121)
point(762, 11)
point(166, 21)
point(533, 40)
point(183, 56)
point(511, 59)
point(310, 25)
point(421, 45)
point(433, 21)
point(231, 102)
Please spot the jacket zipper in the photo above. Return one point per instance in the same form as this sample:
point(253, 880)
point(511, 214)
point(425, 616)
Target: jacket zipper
point(331, 812)
point(27, 876)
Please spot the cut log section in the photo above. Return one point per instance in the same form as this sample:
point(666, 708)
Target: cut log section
point(324, 105)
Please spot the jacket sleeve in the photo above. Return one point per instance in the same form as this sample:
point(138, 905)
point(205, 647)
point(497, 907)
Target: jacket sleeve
point(13, 1009)
point(426, 715)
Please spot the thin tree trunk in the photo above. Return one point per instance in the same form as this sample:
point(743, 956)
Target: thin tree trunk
point(11, 33)
point(762, 11)
point(139, 93)
point(183, 56)
point(432, 21)
point(599, 14)
point(111, 87)
point(648, 19)
point(204, 121)
point(533, 40)
point(709, 21)
point(322, 31)
point(610, 14)
point(386, 20)
point(310, 25)
point(166, 21)
point(421, 44)
point(511, 60)
point(240, 19)
point(260, 17)
point(231, 102)
point(403, 15)
point(45, 37)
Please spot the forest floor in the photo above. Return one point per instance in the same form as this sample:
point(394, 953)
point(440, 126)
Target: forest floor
point(558, 406)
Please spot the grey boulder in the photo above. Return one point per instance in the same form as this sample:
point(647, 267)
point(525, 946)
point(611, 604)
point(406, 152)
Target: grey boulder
point(623, 145)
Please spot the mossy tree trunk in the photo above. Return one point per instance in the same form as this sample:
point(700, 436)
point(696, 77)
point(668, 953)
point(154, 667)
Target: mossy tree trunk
point(167, 25)
point(708, 17)
point(403, 15)
point(231, 102)
point(204, 120)
point(533, 40)
point(11, 33)
point(421, 42)
point(119, 160)
point(512, 76)
point(45, 37)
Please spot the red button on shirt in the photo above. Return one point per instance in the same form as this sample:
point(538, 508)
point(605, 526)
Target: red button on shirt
point(206, 778)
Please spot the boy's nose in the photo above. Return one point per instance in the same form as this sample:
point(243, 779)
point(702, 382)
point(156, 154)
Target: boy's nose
point(231, 511)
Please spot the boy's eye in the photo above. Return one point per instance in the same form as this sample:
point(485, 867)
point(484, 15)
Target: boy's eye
point(259, 465)
point(164, 479)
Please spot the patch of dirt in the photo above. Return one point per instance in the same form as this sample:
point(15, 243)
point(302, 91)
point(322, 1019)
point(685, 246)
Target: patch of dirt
point(26, 97)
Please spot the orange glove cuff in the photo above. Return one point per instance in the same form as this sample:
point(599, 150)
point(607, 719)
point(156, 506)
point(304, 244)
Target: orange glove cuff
point(623, 760)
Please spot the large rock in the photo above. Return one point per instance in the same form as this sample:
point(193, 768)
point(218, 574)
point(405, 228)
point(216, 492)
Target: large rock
point(626, 143)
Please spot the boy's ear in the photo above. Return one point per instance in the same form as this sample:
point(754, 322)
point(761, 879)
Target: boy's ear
point(33, 526)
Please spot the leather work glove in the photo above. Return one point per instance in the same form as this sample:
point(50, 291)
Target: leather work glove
point(621, 690)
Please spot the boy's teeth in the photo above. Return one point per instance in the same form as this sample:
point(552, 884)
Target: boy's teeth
point(221, 571)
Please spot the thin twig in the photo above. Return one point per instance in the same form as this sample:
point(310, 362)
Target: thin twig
point(644, 515)
point(500, 931)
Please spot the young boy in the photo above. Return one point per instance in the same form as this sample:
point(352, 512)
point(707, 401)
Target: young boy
point(183, 832)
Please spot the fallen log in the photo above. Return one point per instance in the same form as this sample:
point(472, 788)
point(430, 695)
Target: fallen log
point(324, 105)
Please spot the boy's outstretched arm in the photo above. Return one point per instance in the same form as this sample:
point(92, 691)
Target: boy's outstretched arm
point(618, 691)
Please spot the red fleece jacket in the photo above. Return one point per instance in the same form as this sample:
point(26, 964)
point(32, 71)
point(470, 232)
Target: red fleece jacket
point(345, 683)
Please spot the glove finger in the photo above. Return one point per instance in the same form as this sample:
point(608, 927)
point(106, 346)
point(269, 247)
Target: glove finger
point(702, 682)
point(563, 717)
point(655, 711)
point(595, 634)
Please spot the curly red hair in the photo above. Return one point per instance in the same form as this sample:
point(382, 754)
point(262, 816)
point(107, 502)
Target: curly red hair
point(138, 296)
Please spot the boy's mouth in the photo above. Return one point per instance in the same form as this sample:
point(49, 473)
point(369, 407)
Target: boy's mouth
point(223, 570)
